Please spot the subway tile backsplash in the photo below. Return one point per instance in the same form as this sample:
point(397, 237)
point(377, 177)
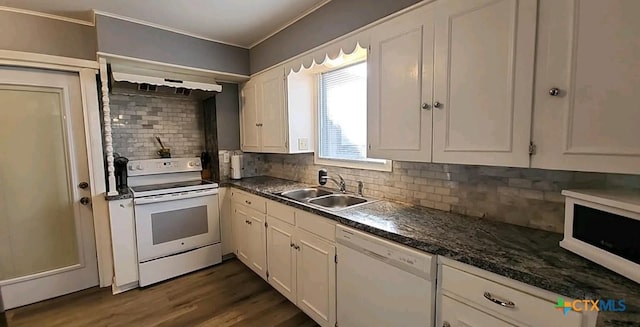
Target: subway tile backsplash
point(138, 116)
point(521, 196)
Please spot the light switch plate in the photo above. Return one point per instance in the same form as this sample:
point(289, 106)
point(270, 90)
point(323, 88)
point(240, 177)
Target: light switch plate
point(303, 143)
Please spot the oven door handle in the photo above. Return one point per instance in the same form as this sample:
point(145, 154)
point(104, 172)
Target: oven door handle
point(174, 197)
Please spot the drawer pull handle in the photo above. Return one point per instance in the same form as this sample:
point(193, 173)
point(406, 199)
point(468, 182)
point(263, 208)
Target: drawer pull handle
point(247, 202)
point(506, 304)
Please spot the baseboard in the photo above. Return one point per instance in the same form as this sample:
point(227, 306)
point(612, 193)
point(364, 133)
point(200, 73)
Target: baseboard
point(228, 256)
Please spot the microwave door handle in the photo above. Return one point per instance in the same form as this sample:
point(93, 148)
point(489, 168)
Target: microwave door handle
point(167, 197)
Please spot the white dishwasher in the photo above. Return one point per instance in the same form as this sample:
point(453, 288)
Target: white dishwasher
point(381, 283)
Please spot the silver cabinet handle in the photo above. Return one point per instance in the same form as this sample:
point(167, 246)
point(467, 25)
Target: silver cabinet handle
point(426, 106)
point(554, 91)
point(506, 303)
point(437, 105)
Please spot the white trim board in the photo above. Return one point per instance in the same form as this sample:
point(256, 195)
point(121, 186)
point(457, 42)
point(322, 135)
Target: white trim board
point(50, 16)
point(40, 60)
point(157, 65)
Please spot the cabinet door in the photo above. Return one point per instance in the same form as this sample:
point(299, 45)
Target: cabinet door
point(400, 67)
point(281, 257)
point(273, 121)
point(483, 82)
point(240, 231)
point(457, 314)
point(316, 274)
point(123, 240)
point(589, 50)
point(226, 234)
point(249, 120)
point(256, 242)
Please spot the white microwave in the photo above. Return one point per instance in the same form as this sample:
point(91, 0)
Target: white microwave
point(604, 227)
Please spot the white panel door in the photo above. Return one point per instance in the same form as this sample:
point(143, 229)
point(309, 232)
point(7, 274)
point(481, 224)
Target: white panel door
point(316, 280)
point(47, 237)
point(399, 89)
point(273, 119)
point(457, 314)
point(589, 51)
point(483, 82)
point(256, 242)
point(240, 231)
point(249, 123)
point(281, 257)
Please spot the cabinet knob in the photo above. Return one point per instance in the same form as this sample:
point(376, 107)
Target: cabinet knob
point(437, 105)
point(446, 324)
point(554, 91)
point(426, 106)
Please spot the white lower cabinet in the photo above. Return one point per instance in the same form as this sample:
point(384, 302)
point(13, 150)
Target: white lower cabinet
point(316, 284)
point(123, 240)
point(471, 297)
point(458, 314)
point(248, 226)
point(281, 255)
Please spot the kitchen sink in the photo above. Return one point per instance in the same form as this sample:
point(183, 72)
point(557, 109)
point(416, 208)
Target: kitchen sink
point(305, 194)
point(338, 201)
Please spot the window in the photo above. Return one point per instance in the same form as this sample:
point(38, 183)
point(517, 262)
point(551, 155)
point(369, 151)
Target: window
point(342, 119)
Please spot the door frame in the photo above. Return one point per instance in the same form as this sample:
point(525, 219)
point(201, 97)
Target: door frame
point(87, 71)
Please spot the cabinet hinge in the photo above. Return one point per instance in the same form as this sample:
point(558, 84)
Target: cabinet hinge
point(335, 258)
point(286, 144)
point(532, 148)
point(369, 49)
point(265, 224)
point(369, 146)
point(267, 274)
point(336, 324)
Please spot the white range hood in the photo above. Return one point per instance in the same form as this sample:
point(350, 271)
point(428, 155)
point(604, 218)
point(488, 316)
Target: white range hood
point(139, 75)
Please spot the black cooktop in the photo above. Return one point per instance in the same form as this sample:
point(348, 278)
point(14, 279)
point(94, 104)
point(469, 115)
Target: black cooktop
point(155, 187)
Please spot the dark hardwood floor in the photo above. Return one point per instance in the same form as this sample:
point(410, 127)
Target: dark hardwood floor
point(228, 294)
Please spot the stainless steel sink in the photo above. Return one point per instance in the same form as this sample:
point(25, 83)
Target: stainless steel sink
point(338, 201)
point(305, 194)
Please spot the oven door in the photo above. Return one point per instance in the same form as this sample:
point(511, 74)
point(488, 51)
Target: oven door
point(174, 223)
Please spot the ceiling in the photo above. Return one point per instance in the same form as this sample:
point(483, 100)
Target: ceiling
point(238, 22)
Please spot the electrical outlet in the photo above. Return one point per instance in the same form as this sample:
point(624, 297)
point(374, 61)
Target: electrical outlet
point(225, 157)
point(303, 143)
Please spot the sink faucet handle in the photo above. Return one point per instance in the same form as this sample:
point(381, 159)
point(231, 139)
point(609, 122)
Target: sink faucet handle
point(360, 188)
point(322, 176)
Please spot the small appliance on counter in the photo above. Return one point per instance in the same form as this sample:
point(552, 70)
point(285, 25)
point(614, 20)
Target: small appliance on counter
point(602, 226)
point(236, 166)
point(120, 164)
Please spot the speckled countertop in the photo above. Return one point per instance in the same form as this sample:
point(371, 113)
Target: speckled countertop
point(523, 254)
point(122, 194)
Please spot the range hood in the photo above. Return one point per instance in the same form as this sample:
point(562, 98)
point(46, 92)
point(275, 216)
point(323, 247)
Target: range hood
point(140, 75)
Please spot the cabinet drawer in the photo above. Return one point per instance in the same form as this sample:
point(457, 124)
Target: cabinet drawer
point(281, 211)
point(252, 201)
point(320, 226)
point(527, 309)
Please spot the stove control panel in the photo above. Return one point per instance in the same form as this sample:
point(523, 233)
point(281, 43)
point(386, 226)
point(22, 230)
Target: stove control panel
point(163, 166)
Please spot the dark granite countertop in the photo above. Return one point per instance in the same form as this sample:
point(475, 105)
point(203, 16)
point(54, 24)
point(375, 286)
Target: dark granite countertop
point(523, 254)
point(122, 194)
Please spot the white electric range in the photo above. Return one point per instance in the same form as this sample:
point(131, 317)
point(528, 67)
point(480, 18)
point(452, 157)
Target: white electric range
point(177, 218)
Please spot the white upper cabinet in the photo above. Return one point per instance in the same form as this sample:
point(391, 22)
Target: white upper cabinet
point(589, 51)
point(249, 119)
point(483, 82)
point(273, 121)
point(400, 82)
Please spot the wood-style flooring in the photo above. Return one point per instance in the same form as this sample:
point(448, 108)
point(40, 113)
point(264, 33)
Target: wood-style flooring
point(228, 294)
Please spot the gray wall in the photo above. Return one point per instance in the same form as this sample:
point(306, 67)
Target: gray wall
point(227, 117)
point(336, 18)
point(22, 32)
point(125, 38)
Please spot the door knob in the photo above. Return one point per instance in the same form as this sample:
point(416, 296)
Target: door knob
point(554, 91)
point(426, 106)
point(85, 200)
point(83, 185)
point(437, 105)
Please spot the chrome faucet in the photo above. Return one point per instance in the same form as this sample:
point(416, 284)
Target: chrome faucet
point(323, 177)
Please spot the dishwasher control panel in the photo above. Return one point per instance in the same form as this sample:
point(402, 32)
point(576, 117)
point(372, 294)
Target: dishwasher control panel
point(419, 263)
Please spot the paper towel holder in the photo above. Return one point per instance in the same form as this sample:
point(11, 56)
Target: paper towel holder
point(236, 166)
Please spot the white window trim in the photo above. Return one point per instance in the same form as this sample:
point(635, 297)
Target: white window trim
point(387, 166)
